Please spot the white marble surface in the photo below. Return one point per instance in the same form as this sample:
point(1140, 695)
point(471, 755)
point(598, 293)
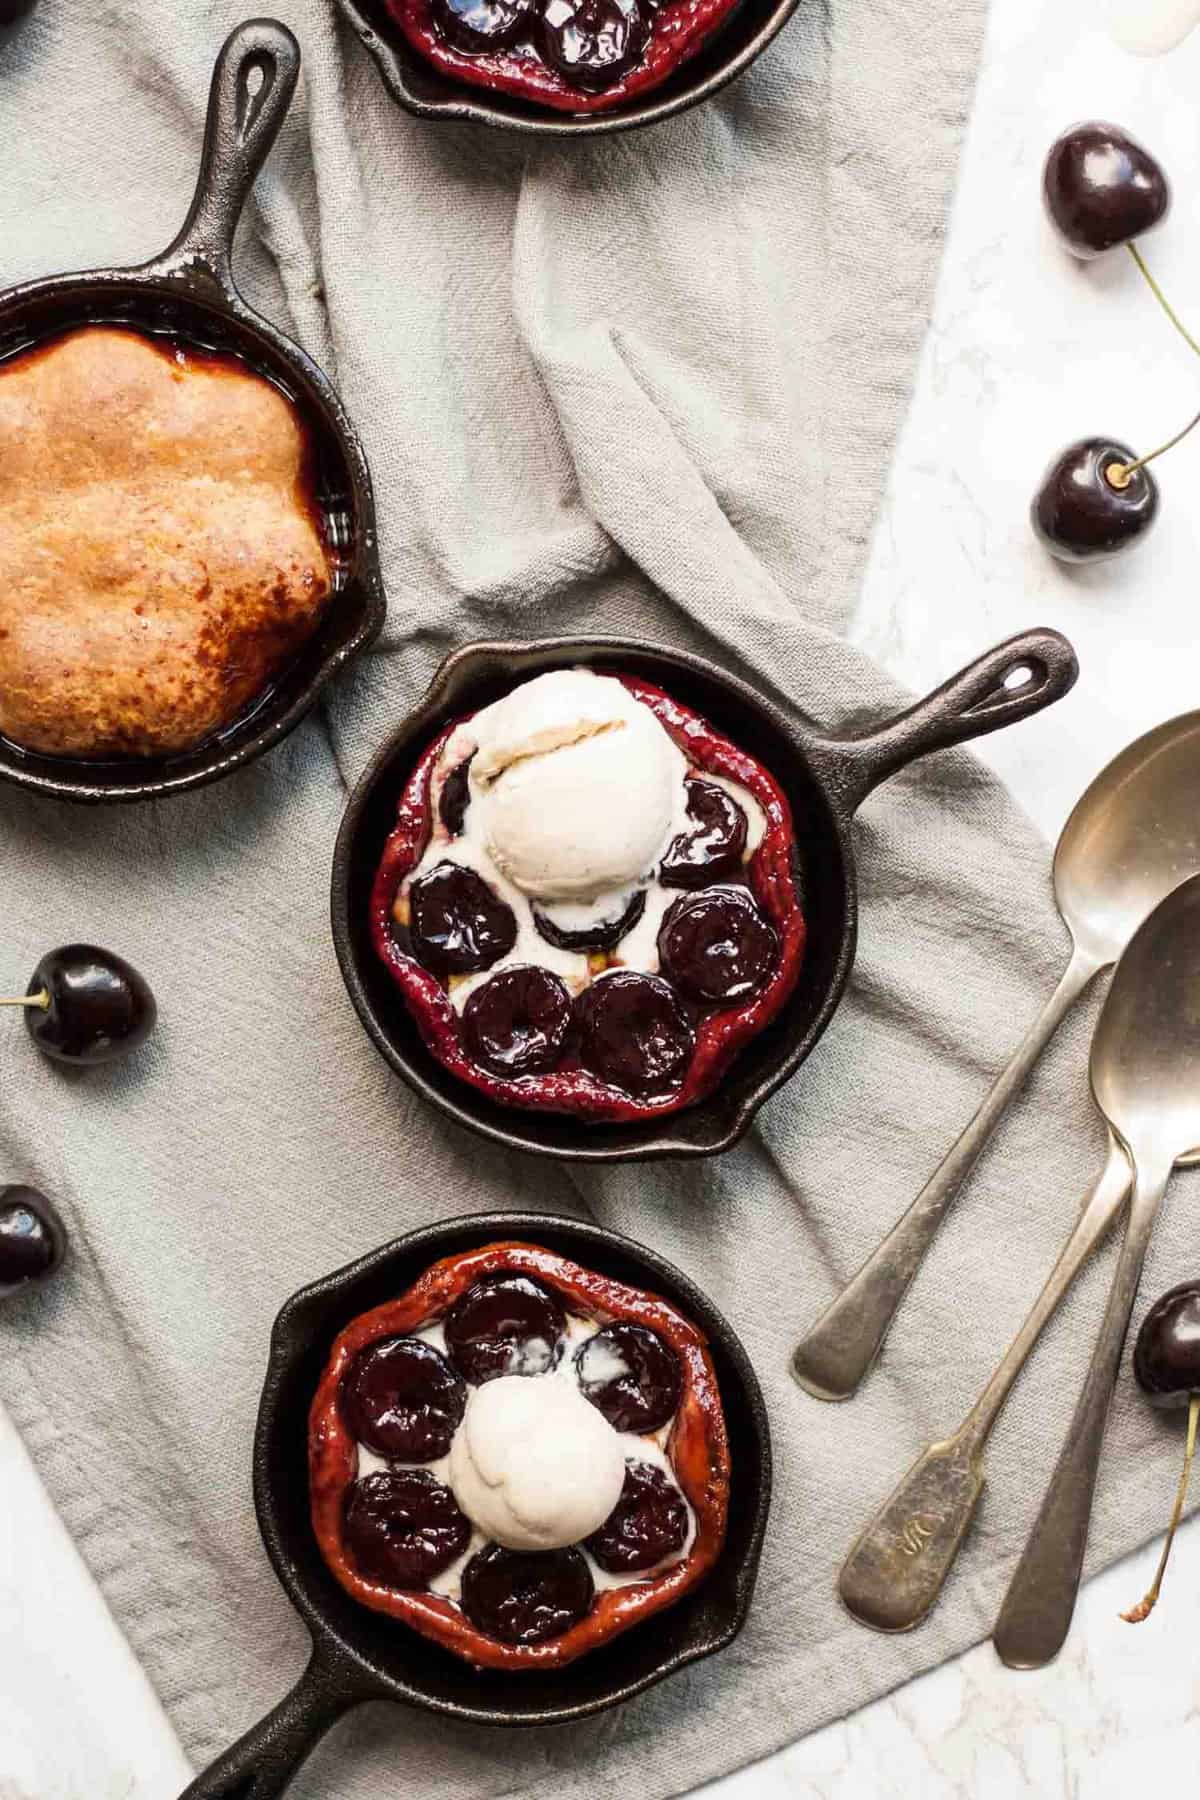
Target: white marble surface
point(1027, 352)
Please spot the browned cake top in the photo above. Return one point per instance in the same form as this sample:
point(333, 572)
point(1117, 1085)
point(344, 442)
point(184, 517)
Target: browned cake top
point(159, 554)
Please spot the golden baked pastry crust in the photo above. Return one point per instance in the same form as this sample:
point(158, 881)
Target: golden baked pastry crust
point(160, 556)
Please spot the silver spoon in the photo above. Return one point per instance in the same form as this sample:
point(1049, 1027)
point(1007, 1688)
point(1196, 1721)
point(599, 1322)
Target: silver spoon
point(1145, 1072)
point(1133, 836)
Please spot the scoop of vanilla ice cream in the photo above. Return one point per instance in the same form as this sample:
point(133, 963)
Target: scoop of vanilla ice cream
point(579, 786)
point(533, 1464)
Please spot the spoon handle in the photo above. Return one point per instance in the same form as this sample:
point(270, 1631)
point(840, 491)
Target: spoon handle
point(897, 1568)
point(1037, 1610)
point(835, 1356)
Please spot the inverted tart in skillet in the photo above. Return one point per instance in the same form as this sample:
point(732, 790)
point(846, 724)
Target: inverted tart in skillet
point(589, 902)
point(519, 1458)
point(161, 554)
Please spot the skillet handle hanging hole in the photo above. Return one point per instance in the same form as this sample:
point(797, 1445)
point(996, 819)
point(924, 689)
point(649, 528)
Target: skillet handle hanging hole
point(1015, 680)
point(252, 88)
point(260, 1766)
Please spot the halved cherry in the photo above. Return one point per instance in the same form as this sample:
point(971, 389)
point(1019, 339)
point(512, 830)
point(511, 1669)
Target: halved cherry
point(526, 1596)
point(633, 1032)
point(505, 1325)
point(604, 935)
point(401, 1398)
point(649, 1522)
point(716, 946)
point(517, 1023)
point(403, 1527)
point(629, 1375)
point(456, 792)
point(476, 25)
point(713, 848)
point(458, 924)
point(593, 43)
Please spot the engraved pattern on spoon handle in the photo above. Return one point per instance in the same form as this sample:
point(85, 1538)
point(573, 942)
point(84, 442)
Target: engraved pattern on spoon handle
point(837, 1353)
point(898, 1566)
point(1038, 1607)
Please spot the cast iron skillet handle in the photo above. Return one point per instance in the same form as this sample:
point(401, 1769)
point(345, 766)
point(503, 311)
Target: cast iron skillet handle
point(252, 88)
point(1011, 682)
point(261, 1765)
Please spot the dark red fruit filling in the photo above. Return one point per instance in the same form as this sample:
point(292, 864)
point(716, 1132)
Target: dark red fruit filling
point(593, 43)
point(524, 1597)
point(403, 1527)
point(475, 25)
point(457, 923)
point(517, 1023)
point(713, 849)
point(648, 1522)
point(717, 947)
point(456, 792)
point(601, 936)
point(505, 1325)
point(401, 1398)
point(633, 1032)
point(629, 1375)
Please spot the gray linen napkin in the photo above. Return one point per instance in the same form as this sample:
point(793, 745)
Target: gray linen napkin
point(648, 386)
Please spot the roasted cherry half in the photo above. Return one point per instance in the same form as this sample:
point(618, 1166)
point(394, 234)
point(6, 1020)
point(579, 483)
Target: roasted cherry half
point(516, 1023)
point(457, 923)
point(593, 43)
point(478, 25)
point(1088, 507)
point(33, 1238)
point(649, 1522)
point(505, 1325)
point(712, 849)
point(454, 797)
point(605, 934)
point(526, 1596)
point(1102, 189)
point(1166, 1362)
point(716, 946)
point(85, 1005)
point(633, 1032)
point(401, 1398)
point(629, 1375)
point(403, 1527)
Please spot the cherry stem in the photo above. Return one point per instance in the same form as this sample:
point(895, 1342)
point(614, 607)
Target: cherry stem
point(1119, 474)
point(41, 998)
point(1145, 1607)
point(1176, 321)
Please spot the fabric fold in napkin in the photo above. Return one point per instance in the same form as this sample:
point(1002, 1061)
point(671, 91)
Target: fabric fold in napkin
point(648, 386)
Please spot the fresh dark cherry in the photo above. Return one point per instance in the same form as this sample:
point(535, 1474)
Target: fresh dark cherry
point(633, 1032)
point(1082, 513)
point(629, 1375)
point(713, 848)
point(593, 43)
point(401, 1398)
point(33, 1238)
point(716, 946)
point(403, 1527)
point(456, 792)
point(1166, 1357)
point(457, 923)
point(526, 1596)
point(604, 935)
point(477, 25)
point(517, 1022)
point(1102, 188)
point(505, 1325)
point(85, 1005)
point(648, 1523)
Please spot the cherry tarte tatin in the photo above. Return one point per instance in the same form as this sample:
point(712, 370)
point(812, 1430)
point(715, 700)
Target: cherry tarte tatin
point(517, 1323)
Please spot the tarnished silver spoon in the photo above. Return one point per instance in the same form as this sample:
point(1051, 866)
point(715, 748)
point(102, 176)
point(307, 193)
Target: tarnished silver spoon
point(1133, 837)
point(1146, 1080)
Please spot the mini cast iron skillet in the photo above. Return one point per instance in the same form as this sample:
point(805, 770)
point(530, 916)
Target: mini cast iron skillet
point(431, 94)
point(826, 778)
point(361, 1655)
point(189, 293)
